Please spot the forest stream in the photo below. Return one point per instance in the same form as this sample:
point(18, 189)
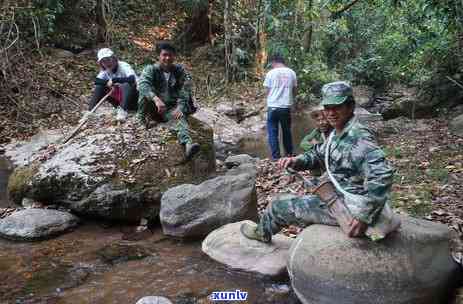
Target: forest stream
point(96, 264)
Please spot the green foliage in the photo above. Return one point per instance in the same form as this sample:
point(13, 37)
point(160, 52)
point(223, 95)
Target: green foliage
point(374, 42)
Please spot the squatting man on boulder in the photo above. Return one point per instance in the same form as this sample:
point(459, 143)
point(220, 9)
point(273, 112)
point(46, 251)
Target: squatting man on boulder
point(119, 76)
point(164, 96)
point(357, 172)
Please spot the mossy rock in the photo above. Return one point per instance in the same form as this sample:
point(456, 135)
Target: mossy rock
point(19, 180)
point(114, 172)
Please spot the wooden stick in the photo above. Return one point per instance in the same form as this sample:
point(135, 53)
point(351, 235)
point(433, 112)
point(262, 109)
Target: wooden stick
point(76, 130)
point(454, 81)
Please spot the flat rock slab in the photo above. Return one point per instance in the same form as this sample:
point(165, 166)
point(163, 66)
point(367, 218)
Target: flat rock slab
point(36, 224)
point(412, 266)
point(153, 300)
point(228, 246)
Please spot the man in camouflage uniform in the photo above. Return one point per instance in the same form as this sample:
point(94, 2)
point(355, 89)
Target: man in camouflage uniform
point(355, 161)
point(164, 96)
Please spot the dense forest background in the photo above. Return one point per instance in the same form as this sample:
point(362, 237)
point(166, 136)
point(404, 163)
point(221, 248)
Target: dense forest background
point(379, 43)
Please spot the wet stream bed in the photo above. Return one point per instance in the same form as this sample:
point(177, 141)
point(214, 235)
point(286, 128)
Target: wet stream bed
point(106, 263)
point(94, 264)
point(257, 146)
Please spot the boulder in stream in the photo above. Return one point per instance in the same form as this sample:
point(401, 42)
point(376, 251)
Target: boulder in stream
point(192, 211)
point(412, 266)
point(35, 224)
point(111, 171)
point(228, 246)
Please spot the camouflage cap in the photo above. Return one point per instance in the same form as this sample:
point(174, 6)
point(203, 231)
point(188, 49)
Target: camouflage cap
point(335, 93)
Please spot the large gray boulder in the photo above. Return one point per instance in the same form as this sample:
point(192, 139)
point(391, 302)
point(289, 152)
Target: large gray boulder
point(36, 224)
point(117, 172)
point(411, 266)
point(228, 246)
point(192, 211)
point(456, 125)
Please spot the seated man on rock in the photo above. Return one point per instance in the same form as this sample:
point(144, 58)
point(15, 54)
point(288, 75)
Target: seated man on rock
point(356, 167)
point(119, 76)
point(164, 96)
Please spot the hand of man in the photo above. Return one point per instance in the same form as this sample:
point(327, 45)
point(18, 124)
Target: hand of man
point(177, 114)
point(286, 162)
point(357, 228)
point(109, 83)
point(160, 105)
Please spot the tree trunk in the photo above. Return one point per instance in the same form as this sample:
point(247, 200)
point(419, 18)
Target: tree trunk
point(308, 33)
point(261, 52)
point(198, 28)
point(100, 21)
point(228, 42)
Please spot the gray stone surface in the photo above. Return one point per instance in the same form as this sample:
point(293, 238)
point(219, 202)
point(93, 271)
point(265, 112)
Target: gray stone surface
point(363, 95)
point(228, 246)
point(192, 211)
point(403, 101)
point(227, 132)
point(411, 266)
point(35, 224)
point(153, 300)
point(456, 125)
point(247, 168)
point(117, 172)
point(236, 160)
point(364, 116)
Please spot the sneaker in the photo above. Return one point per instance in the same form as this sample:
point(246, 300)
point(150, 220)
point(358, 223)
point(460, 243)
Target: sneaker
point(250, 232)
point(191, 150)
point(121, 115)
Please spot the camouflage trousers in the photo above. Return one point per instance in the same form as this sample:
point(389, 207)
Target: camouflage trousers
point(290, 209)
point(147, 109)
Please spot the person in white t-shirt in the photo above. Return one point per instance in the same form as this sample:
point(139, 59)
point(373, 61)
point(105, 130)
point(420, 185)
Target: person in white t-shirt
point(281, 85)
point(119, 76)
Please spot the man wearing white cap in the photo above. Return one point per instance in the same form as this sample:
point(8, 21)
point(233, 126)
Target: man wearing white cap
point(120, 76)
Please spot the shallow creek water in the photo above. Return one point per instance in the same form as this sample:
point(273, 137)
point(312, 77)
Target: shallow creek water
point(94, 264)
point(301, 125)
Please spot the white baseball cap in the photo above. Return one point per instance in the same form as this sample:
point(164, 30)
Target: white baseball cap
point(104, 53)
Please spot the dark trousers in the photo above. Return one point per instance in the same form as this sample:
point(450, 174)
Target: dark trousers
point(129, 97)
point(282, 117)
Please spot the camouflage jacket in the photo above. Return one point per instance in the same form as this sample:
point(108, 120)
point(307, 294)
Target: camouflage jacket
point(173, 91)
point(359, 165)
point(307, 144)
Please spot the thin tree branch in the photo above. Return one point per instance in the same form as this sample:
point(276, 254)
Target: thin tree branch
point(345, 8)
point(454, 81)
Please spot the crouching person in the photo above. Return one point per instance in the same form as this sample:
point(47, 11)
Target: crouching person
point(359, 176)
point(164, 96)
point(121, 78)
